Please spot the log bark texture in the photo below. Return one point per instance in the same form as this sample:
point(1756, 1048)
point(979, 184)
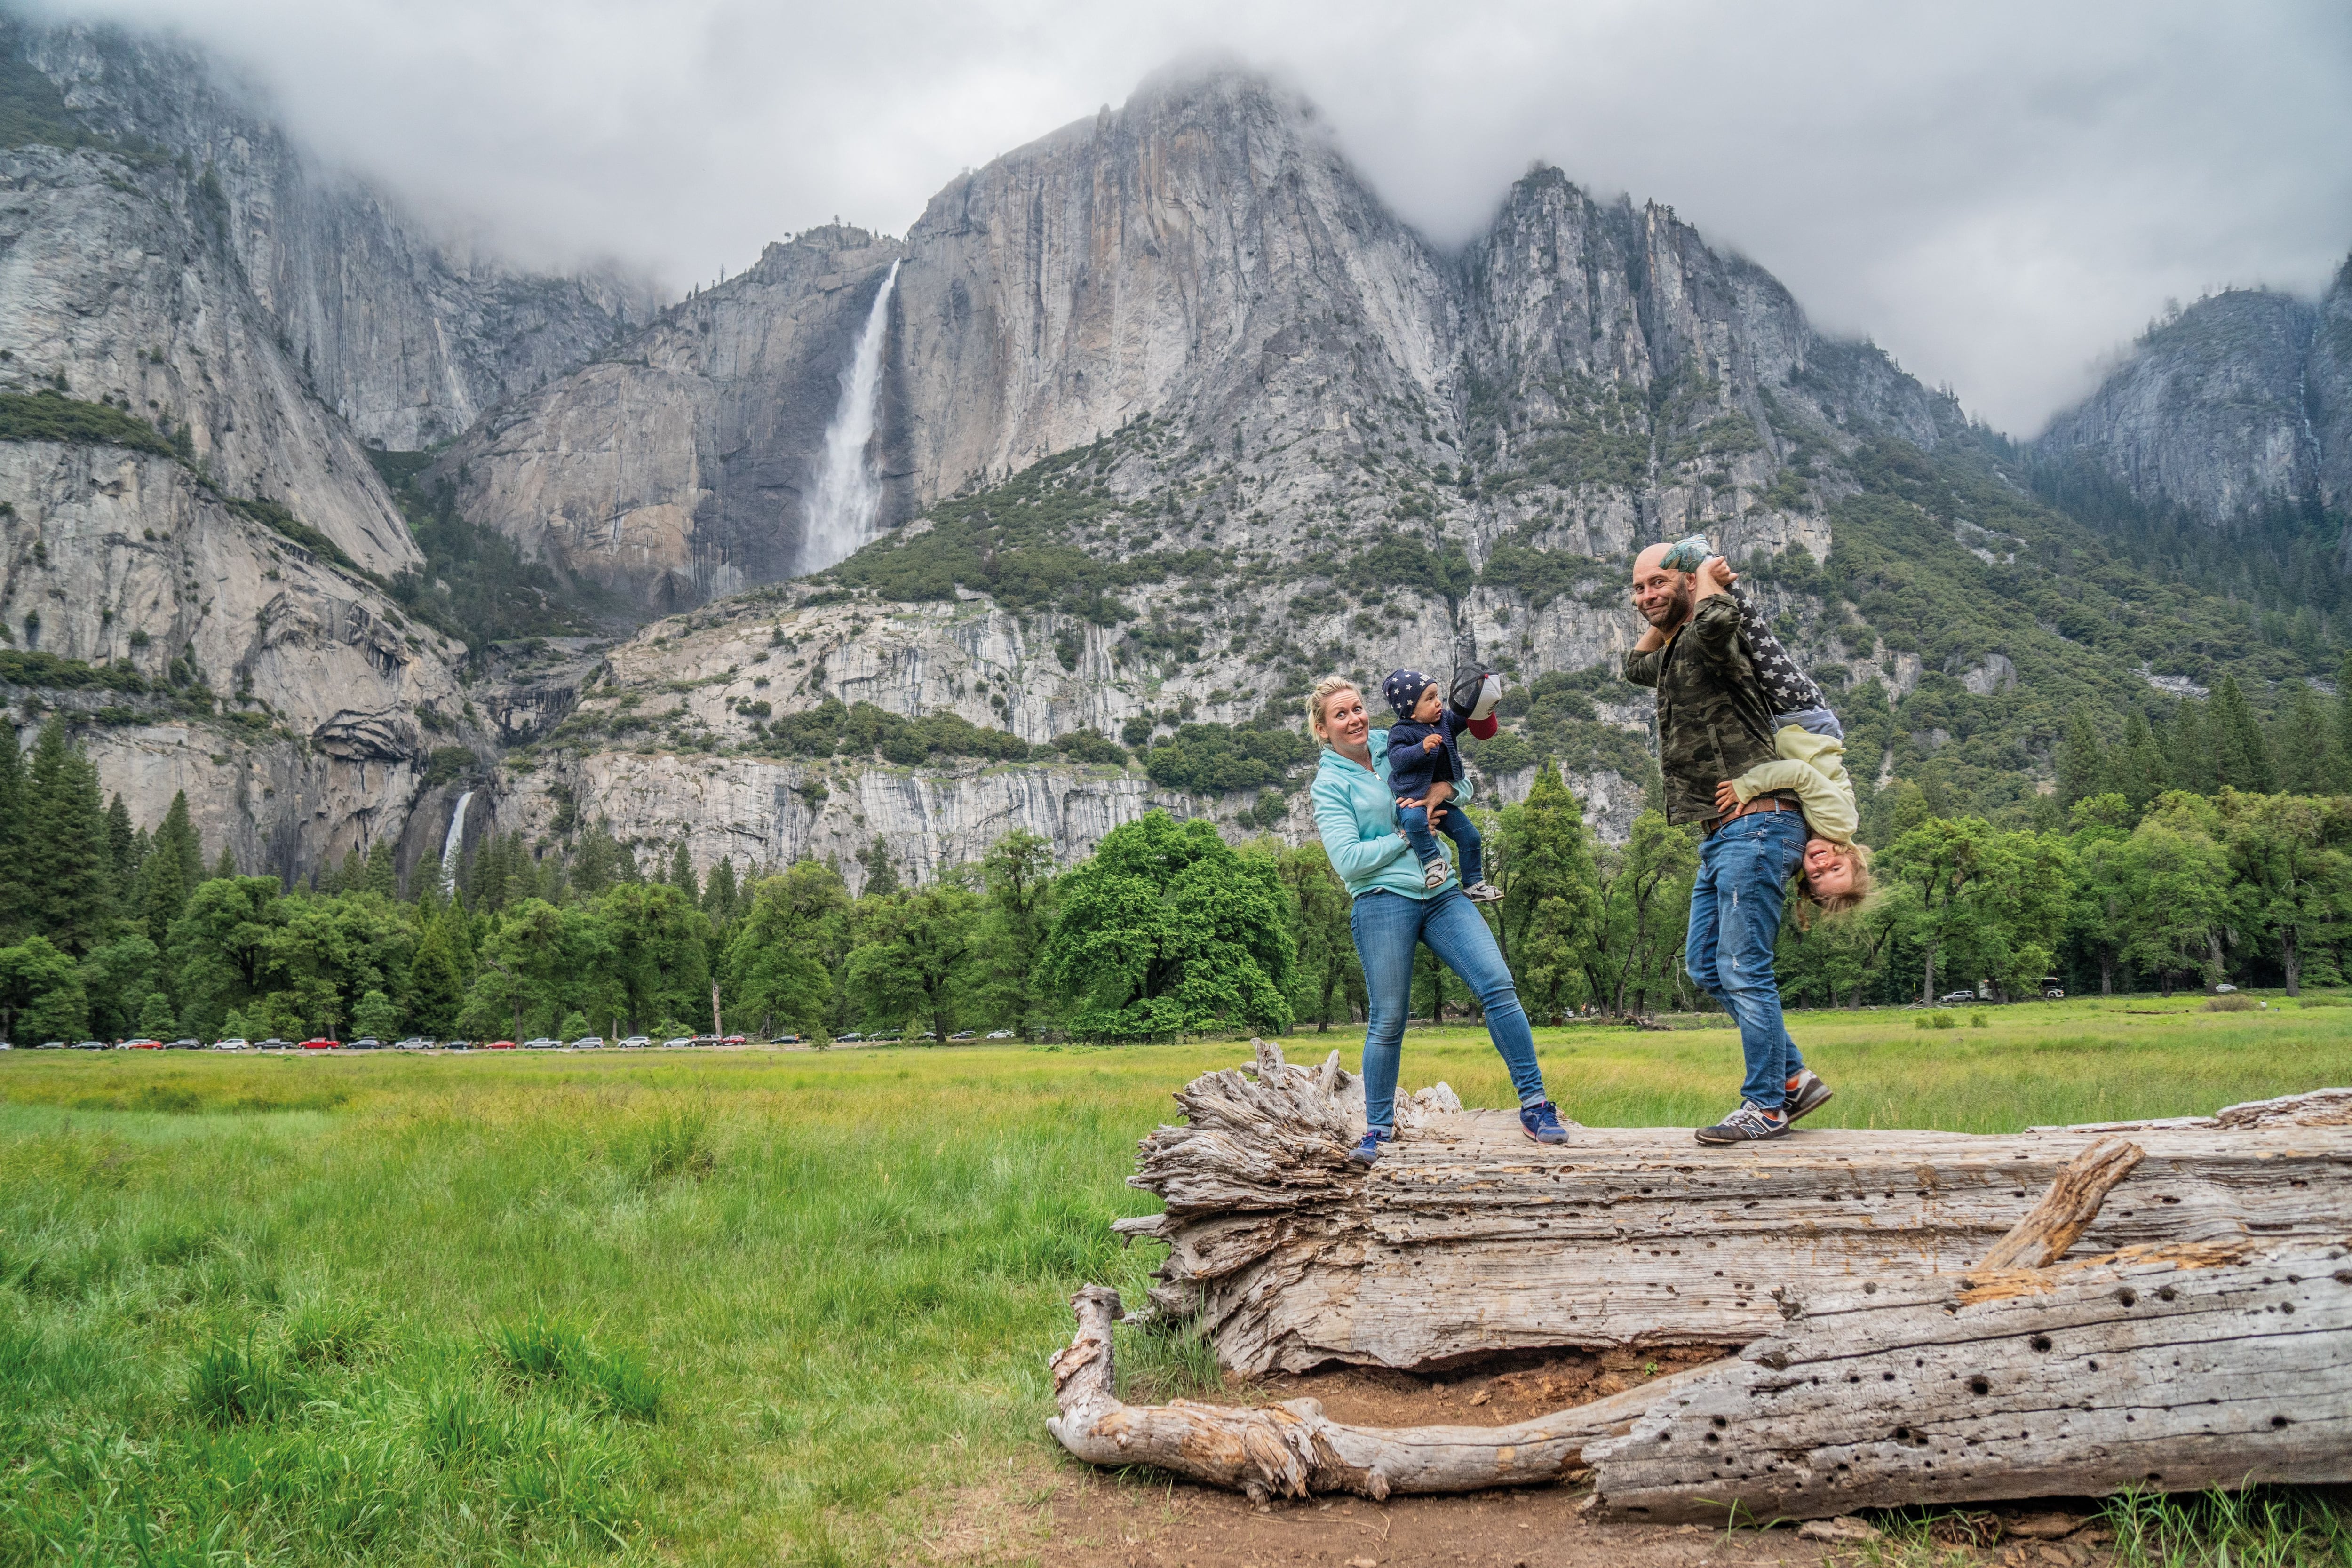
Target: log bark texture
point(1466, 1239)
point(1292, 1450)
point(2172, 1368)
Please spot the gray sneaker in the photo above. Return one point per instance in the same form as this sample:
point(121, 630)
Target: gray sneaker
point(1752, 1124)
point(1806, 1095)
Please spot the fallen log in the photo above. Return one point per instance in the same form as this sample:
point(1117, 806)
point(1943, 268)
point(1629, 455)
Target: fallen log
point(2067, 1209)
point(2170, 1368)
point(1466, 1239)
point(1292, 1450)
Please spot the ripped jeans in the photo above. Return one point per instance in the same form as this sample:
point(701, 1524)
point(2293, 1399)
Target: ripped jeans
point(1744, 868)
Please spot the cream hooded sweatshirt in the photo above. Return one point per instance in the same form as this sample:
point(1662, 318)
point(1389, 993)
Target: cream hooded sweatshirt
point(1814, 767)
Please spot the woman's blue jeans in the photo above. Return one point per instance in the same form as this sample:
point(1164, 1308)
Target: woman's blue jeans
point(1388, 926)
point(1735, 920)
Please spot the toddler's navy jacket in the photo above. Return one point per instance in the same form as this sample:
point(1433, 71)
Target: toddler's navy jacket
point(1411, 770)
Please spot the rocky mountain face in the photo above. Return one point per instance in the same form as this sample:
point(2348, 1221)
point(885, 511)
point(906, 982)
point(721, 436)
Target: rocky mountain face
point(2241, 404)
point(200, 332)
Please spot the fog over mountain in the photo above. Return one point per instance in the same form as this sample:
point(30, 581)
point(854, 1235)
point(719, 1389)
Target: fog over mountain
point(2002, 196)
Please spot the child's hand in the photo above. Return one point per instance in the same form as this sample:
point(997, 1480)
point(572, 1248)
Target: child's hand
point(1726, 799)
point(1722, 571)
point(1431, 743)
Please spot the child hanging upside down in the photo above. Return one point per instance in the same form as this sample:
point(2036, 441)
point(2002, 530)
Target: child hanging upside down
point(1422, 752)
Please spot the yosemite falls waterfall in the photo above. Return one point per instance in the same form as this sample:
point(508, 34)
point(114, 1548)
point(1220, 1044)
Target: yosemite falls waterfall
point(454, 845)
point(848, 497)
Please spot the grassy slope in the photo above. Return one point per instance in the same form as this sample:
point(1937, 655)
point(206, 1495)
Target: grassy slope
point(847, 1270)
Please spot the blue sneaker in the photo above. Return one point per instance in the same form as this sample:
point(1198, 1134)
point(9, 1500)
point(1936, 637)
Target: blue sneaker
point(1369, 1151)
point(1541, 1123)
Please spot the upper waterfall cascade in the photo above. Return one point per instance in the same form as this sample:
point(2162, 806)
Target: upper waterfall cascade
point(848, 500)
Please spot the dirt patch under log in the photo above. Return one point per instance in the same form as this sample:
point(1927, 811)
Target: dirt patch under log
point(1494, 1393)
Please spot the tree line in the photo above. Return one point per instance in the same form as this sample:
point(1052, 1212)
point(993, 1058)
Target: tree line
point(111, 930)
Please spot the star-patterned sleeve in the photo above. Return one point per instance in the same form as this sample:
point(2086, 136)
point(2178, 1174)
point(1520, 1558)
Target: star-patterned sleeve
point(1786, 684)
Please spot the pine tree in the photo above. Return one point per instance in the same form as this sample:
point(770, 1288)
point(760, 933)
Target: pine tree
point(681, 874)
point(2189, 763)
point(225, 867)
point(1551, 911)
point(180, 835)
point(161, 895)
point(881, 875)
point(2302, 743)
point(719, 895)
point(68, 858)
point(2344, 726)
point(2080, 760)
point(2135, 769)
point(14, 804)
point(125, 842)
point(383, 873)
point(436, 985)
point(2242, 757)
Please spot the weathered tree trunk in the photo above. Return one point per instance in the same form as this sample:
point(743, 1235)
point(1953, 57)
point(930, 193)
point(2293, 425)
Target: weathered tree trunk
point(1292, 1450)
point(1465, 1239)
point(2291, 959)
point(2067, 1209)
point(2171, 1368)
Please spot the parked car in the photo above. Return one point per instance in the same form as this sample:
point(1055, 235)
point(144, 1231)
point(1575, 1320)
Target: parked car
point(2223, 989)
point(636, 1043)
point(139, 1046)
point(706, 1039)
point(275, 1043)
point(1958, 996)
point(234, 1043)
point(850, 1038)
point(587, 1043)
point(889, 1037)
point(457, 1045)
point(323, 1044)
point(414, 1042)
point(91, 1046)
point(1002, 1035)
point(498, 1044)
point(783, 1040)
point(677, 1043)
point(50, 1046)
point(6, 1046)
point(963, 1034)
point(366, 1042)
point(188, 1044)
point(542, 1044)
point(735, 1040)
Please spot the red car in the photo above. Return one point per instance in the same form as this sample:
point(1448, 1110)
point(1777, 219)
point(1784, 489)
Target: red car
point(498, 1044)
point(142, 1045)
point(322, 1044)
point(734, 1040)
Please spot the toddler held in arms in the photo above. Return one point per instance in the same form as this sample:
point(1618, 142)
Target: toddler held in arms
point(1422, 754)
point(1811, 747)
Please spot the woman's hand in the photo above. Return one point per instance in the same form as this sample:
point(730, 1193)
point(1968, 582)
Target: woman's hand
point(1726, 799)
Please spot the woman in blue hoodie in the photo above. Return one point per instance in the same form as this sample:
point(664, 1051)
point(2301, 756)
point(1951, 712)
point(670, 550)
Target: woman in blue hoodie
point(1395, 911)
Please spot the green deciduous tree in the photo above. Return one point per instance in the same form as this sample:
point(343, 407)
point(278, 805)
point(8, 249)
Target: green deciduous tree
point(788, 944)
point(917, 956)
point(41, 996)
point(1644, 888)
point(1018, 876)
point(2292, 882)
point(1329, 978)
point(1167, 929)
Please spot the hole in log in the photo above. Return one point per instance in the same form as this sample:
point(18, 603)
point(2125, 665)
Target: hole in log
point(2287, 1306)
point(2277, 1421)
point(2126, 1295)
point(1979, 1384)
point(2041, 1341)
point(1870, 1288)
point(2167, 1293)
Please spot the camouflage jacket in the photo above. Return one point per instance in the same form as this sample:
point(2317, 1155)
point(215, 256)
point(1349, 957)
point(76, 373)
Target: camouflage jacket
point(1714, 722)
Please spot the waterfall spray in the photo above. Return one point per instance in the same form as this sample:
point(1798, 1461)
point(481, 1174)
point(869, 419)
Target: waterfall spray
point(848, 497)
point(451, 846)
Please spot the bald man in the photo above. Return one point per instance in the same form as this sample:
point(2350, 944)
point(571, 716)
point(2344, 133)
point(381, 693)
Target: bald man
point(1714, 722)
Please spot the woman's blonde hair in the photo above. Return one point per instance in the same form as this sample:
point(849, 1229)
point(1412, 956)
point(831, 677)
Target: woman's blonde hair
point(1857, 857)
point(1327, 688)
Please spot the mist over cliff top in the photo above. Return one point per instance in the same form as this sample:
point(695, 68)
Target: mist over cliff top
point(2000, 197)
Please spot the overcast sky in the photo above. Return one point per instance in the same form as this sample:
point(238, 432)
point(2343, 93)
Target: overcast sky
point(1999, 194)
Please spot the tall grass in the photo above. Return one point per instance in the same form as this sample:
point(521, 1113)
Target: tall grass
point(731, 1308)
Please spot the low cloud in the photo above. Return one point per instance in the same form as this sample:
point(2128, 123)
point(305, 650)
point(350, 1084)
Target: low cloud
point(1999, 194)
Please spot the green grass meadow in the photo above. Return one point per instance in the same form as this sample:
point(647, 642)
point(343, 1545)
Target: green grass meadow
point(730, 1307)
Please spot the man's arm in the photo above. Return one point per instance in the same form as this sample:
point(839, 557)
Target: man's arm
point(1715, 629)
point(1644, 666)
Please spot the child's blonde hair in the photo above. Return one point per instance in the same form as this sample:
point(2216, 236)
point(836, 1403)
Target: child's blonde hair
point(1327, 688)
point(1857, 857)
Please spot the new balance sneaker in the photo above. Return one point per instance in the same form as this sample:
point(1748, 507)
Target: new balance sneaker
point(1434, 875)
point(1369, 1151)
point(1750, 1124)
point(1807, 1094)
point(1483, 891)
point(1542, 1122)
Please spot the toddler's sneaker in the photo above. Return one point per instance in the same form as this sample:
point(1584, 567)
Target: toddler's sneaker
point(1542, 1122)
point(1369, 1151)
point(1483, 891)
point(1434, 875)
point(1807, 1093)
point(1748, 1124)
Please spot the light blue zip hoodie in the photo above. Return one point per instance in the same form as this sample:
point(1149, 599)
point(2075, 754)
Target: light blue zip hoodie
point(1356, 815)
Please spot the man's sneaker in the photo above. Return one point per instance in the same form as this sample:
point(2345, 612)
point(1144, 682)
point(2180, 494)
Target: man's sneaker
point(1369, 1151)
point(1434, 875)
point(1483, 891)
point(1748, 1124)
point(1542, 1122)
point(1807, 1094)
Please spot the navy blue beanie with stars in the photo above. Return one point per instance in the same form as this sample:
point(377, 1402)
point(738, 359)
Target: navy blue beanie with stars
point(1404, 688)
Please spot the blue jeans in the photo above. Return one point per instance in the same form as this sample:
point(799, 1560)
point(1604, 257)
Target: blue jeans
point(1388, 926)
point(1735, 919)
point(1415, 820)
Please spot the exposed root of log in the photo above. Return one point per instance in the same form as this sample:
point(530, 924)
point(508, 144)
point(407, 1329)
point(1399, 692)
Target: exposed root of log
point(1292, 1450)
point(2169, 1368)
point(1466, 1239)
point(2067, 1209)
